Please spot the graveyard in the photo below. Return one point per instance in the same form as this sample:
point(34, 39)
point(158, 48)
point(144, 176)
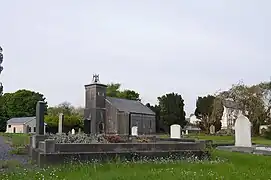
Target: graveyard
point(131, 150)
point(77, 154)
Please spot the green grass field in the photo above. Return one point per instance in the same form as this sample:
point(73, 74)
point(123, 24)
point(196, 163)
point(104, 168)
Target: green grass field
point(229, 139)
point(225, 165)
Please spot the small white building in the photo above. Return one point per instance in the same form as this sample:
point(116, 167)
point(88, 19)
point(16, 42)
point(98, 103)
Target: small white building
point(230, 113)
point(22, 125)
point(193, 119)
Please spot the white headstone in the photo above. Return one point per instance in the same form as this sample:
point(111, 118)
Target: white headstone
point(134, 131)
point(175, 131)
point(212, 129)
point(242, 129)
point(73, 131)
point(186, 132)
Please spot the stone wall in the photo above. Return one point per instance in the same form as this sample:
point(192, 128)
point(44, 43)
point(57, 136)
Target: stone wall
point(119, 147)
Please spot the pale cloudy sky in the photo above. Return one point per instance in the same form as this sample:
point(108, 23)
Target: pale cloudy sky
point(192, 47)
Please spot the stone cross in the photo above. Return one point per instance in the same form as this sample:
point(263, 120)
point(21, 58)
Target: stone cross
point(175, 131)
point(40, 108)
point(242, 129)
point(60, 123)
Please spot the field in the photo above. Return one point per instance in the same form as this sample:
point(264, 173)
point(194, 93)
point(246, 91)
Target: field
point(225, 165)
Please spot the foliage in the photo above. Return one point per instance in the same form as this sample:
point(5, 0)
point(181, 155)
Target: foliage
point(143, 140)
point(76, 138)
point(18, 142)
point(267, 133)
point(114, 139)
point(156, 109)
point(254, 101)
point(73, 117)
point(113, 90)
point(172, 109)
point(21, 103)
point(204, 108)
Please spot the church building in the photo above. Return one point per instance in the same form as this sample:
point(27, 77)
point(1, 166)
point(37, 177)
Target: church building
point(115, 115)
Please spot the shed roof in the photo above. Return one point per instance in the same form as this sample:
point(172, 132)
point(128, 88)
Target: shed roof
point(20, 120)
point(130, 106)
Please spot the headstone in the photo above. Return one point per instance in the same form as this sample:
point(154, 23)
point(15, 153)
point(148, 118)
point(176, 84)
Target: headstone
point(134, 131)
point(186, 132)
point(87, 126)
point(242, 129)
point(73, 131)
point(40, 108)
point(79, 130)
point(175, 131)
point(60, 123)
point(212, 129)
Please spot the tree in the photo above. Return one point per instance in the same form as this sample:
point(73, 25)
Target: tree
point(73, 117)
point(113, 90)
point(204, 108)
point(254, 101)
point(156, 109)
point(172, 109)
point(1, 69)
point(22, 103)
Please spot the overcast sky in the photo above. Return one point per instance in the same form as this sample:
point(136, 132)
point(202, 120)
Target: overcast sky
point(191, 47)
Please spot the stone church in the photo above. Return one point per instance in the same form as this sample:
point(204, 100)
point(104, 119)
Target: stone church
point(114, 115)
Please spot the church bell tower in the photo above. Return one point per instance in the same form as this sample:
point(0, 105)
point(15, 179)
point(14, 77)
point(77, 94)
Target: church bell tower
point(95, 110)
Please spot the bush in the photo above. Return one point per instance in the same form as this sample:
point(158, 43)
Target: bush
point(267, 133)
point(77, 138)
point(114, 139)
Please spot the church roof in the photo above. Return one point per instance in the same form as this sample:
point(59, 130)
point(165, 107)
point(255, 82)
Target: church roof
point(130, 106)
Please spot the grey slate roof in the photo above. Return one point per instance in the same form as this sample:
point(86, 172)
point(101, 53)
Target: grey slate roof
point(230, 104)
point(20, 120)
point(130, 106)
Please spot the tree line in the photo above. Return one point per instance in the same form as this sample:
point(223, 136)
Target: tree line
point(253, 101)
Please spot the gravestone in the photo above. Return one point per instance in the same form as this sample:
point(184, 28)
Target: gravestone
point(60, 123)
point(73, 131)
point(212, 129)
point(79, 130)
point(87, 126)
point(175, 131)
point(242, 129)
point(186, 132)
point(134, 131)
point(40, 108)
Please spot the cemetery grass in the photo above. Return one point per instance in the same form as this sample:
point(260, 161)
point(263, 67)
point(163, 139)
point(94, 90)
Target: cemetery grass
point(223, 139)
point(224, 165)
point(229, 139)
point(19, 142)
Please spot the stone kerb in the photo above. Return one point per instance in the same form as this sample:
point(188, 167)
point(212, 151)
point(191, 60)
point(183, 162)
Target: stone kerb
point(129, 147)
point(47, 146)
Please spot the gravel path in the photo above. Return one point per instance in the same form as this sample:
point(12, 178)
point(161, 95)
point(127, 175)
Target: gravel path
point(5, 154)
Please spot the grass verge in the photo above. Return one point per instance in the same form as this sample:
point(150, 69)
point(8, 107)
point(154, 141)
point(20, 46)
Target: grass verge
point(19, 142)
point(225, 165)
